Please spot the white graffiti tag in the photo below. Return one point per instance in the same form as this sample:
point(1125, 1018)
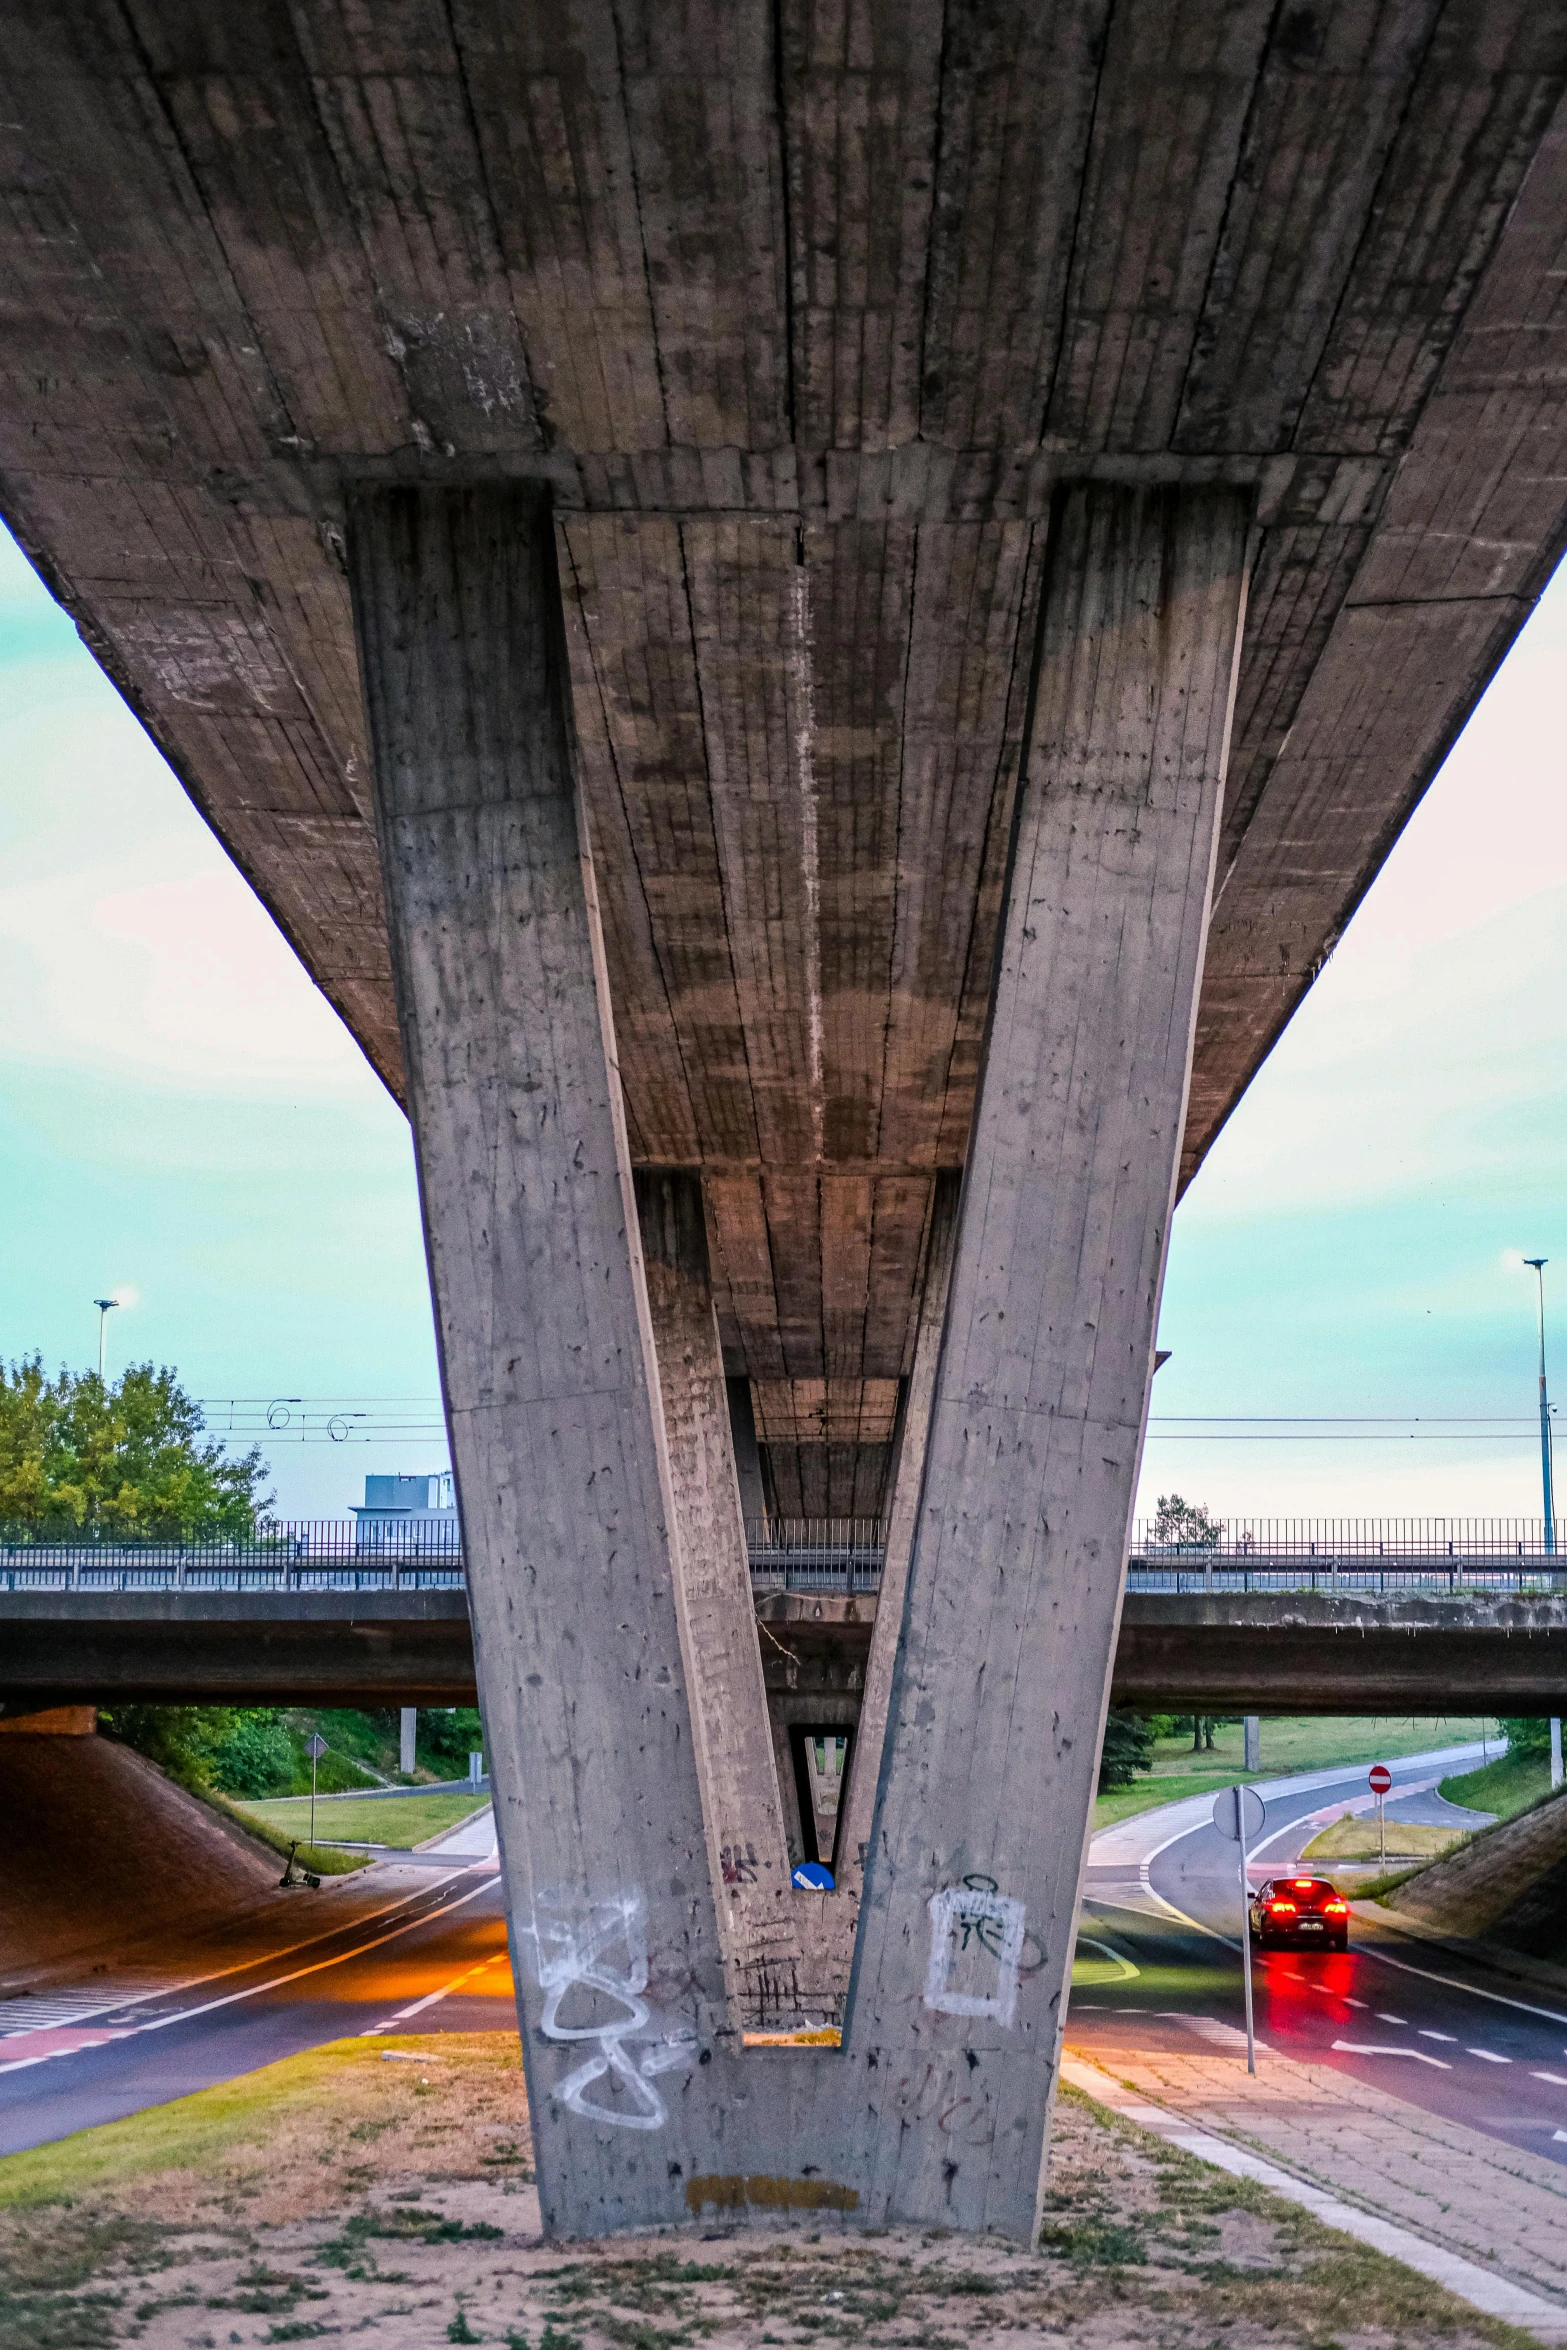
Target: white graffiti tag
point(970, 1930)
point(601, 1946)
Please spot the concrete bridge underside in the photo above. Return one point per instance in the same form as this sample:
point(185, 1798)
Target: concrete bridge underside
point(1292, 1653)
point(813, 619)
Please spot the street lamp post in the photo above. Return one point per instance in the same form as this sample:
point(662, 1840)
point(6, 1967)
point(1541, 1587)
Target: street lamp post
point(105, 1306)
point(1539, 1264)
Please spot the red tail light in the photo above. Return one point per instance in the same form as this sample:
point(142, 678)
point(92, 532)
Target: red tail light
point(1304, 1884)
point(1281, 1909)
point(1335, 1909)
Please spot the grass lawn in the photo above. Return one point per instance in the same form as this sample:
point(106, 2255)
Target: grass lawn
point(380, 2190)
point(1305, 1742)
point(1509, 1785)
point(400, 1820)
point(1356, 1839)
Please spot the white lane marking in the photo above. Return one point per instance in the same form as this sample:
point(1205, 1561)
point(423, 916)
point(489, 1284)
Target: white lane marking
point(1208, 2027)
point(1384, 2018)
point(1373, 2048)
point(1114, 1956)
point(1559, 2134)
point(1429, 2035)
point(431, 1998)
point(1360, 2003)
point(107, 2006)
point(1450, 1982)
point(1558, 2080)
point(1496, 2296)
point(186, 2015)
point(1486, 2056)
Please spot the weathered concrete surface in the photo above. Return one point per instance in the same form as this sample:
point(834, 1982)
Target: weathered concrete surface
point(1285, 1652)
point(902, 1515)
point(728, 1701)
point(803, 324)
point(237, 1647)
point(1299, 1652)
point(1015, 1582)
point(581, 1620)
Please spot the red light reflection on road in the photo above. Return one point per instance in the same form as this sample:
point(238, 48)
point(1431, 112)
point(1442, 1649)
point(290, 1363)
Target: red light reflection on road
point(1302, 1994)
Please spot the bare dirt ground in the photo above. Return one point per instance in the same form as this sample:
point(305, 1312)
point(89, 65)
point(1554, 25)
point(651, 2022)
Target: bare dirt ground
point(385, 2188)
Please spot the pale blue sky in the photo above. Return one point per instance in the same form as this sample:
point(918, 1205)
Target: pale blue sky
point(182, 1115)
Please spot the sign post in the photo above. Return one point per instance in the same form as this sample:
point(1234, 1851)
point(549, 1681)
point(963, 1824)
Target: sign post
point(315, 1747)
point(1238, 1813)
point(1380, 1780)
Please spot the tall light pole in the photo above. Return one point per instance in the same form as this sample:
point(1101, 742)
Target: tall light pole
point(1539, 1264)
point(106, 1306)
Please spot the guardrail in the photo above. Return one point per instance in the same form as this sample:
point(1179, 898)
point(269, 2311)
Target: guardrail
point(815, 1554)
point(821, 1555)
point(1421, 1540)
point(1382, 1578)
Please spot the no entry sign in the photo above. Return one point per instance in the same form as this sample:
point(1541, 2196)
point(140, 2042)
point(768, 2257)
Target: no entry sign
point(1381, 1779)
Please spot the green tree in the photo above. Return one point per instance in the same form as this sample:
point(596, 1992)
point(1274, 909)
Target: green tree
point(1128, 1749)
point(1186, 1525)
point(447, 1738)
point(241, 1750)
point(1527, 1733)
point(78, 1455)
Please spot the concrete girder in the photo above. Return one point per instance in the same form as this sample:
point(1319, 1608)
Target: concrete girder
point(1287, 1652)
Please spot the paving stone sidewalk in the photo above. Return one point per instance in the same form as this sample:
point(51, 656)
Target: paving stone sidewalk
point(1496, 2204)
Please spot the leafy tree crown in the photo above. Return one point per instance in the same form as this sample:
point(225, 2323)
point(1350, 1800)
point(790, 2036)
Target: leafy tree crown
point(1186, 1525)
point(78, 1455)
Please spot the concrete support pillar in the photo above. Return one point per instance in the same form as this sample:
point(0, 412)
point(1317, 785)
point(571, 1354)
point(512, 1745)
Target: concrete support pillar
point(551, 1378)
point(1252, 1731)
point(1015, 1580)
point(907, 1480)
point(757, 1910)
point(408, 1740)
point(748, 1457)
point(1556, 1752)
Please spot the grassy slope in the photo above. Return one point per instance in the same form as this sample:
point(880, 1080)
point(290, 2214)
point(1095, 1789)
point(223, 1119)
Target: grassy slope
point(1299, 1743)
point(1508, 1786)
point(306, 1856)
point(400, 1820)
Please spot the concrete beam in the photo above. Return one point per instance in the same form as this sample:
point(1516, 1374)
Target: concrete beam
point(236, 1648)
point(1015, 1580)
point(757, 1912)
point(1299, 1652)
point(907, 1481)
point(582, 1632)
point(1286, 1651)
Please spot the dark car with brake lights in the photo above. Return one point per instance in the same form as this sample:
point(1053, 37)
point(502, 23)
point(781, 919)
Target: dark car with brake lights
point(1300, 1913)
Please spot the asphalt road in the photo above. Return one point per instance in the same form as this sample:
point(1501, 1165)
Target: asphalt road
point(1159, 1966)
point(434, 1959)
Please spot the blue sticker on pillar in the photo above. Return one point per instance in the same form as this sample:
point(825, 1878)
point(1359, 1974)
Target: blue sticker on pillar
point(813, 1877)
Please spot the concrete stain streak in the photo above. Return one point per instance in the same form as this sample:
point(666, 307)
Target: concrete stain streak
point(803, 705)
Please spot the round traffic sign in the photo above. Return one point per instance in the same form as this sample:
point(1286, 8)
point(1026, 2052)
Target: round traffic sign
point(1381, 1779)
point(1238, 1811)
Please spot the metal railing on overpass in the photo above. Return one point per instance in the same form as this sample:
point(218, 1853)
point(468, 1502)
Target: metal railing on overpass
point(1364, 1555)
point(815, 1554)
point(1350, 1555)
point(304, 1554)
